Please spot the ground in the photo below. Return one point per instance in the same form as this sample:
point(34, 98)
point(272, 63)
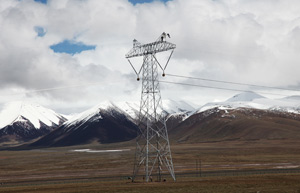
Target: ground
point(66, 170)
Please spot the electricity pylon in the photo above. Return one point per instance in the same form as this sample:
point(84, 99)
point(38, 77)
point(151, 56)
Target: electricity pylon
point(153, 152)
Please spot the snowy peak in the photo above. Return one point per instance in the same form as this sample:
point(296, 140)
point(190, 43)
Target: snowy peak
point(130, 109)
point(103, 123)
point(245, 96)
point(22, 112)
point(256, 101)
point(169, 106)
point(172, 106)
point(92, 112)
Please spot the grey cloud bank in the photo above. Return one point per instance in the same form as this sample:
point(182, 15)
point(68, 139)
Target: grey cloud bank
point(255, 42)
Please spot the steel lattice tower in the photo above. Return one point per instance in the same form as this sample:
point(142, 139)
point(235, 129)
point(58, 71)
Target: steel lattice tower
point(153, 152)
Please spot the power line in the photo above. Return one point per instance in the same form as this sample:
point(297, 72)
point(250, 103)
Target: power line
point(228, 82)
point(168, 82)
point(219, 88)
point(54, 88)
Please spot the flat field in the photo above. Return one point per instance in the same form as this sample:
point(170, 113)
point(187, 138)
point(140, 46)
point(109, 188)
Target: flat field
point(200, 167)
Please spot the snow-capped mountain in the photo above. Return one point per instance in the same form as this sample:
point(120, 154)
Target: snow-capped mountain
point(245, 96)
point(246, 116)
point(27, 120)
point(169, 106)
point(28, 112)
point(132, 109)
point(106, 106)
point(104, 123)
point(176, 111)
point(255, 101)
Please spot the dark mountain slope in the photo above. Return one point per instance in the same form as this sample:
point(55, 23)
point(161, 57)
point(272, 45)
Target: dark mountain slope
point(237, 124)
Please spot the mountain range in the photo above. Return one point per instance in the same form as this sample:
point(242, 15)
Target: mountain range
point(246, 116)
point(107, 122)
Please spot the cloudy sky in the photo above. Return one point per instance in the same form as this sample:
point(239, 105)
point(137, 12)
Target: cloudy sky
point(69, 55)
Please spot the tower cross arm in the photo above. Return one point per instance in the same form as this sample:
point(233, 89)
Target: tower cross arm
point(151, 48)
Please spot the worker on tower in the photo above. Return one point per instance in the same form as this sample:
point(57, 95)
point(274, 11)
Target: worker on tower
point(163, 36)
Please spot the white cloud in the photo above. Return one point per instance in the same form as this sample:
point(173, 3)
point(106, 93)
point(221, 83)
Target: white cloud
point(255, 42)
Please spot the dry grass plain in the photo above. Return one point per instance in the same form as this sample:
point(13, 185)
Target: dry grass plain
point(65, 170)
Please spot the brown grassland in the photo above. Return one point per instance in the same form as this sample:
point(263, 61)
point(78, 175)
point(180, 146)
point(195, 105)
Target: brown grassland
point(64, 170)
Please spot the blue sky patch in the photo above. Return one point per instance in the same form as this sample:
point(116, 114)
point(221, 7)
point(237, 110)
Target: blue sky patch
point(41, 1)
point(40, 31)
point(71, 47)
point(134, 2)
